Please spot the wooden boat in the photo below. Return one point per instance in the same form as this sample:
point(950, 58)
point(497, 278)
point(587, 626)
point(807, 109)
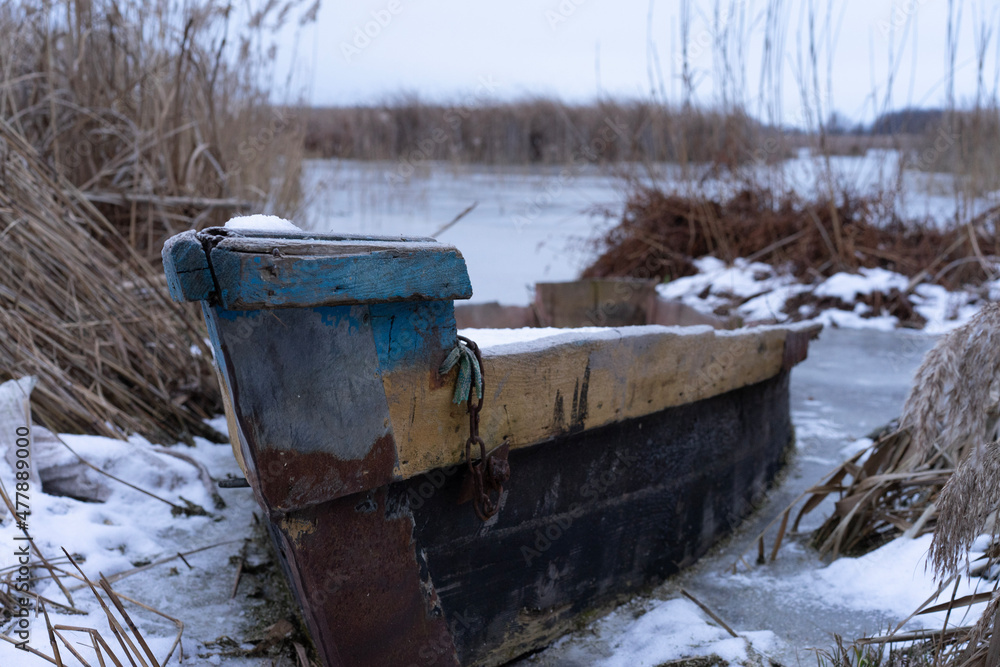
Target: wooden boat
point(615, 458)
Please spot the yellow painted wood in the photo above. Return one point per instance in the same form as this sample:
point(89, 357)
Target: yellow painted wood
point(530, 394)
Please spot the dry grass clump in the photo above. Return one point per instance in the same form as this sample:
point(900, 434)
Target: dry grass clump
point(536, 131)
point(153, 108)
point(894, 487)
point(660, 234)
point(928, 473)
point(111, 350)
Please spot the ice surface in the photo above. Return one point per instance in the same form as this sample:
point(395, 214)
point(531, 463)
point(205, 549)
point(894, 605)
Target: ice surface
point(530, 224)
point(538, 224)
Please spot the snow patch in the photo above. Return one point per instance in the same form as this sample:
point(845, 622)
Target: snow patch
point(849, 286)
point(757, 292)
point(678, 629)
point(262, 223)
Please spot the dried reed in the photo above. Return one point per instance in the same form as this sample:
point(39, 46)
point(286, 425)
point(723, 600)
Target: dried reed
point(894, 487)
point(660, 234)
point(532, 131)
point(154, 108)
point(123, 122)
point(112, 352)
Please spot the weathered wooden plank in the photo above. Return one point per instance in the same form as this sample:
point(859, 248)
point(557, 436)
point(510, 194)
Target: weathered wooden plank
point(186, 266)
point(237, 233)
point(595, 302)
point(539, 391)
point(250, 281)
point(593, 516)
point(307, 400)
point(363, 588)
point(323, 247)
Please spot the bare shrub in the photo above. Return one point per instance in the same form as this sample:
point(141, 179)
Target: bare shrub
point(809, 238)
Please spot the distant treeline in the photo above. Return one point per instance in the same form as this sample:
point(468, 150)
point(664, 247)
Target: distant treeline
point(543, 131)
point(530, 132)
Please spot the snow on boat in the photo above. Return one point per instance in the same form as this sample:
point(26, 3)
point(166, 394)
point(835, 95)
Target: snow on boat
point(614, 458)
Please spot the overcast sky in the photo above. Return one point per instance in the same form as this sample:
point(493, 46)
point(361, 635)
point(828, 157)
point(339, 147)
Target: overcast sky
point(365, 51)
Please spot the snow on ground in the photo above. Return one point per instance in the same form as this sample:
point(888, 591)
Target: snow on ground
point(757, 292)
point(131, 529)
point(648, 633)
point(891, 582)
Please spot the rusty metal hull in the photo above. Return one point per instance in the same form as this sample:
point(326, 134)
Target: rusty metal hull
point(403, 575)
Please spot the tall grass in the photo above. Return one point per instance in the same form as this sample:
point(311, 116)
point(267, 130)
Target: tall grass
point(155, 109)
point(123, 122)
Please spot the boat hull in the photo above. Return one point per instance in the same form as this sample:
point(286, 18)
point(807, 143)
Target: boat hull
point(588, 519)
point(631, 450)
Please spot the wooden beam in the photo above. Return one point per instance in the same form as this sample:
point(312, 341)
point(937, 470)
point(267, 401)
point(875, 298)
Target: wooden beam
point(571, 382)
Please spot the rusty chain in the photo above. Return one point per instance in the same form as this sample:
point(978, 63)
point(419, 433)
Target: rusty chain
point(489, 473)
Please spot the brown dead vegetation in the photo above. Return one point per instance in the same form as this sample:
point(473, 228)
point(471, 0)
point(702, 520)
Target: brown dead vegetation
point(153, 110)
point(534, 131)
point(660, 234)
point(112, 352)
point(123, 122)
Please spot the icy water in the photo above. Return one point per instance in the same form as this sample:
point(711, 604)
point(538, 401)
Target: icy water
point(852, 383)
point(538, 223)
point(528, 226)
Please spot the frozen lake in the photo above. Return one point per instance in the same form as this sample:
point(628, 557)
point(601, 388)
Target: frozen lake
point(530, 225)
point(535, 224)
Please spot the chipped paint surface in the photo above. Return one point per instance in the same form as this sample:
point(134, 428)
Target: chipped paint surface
point(296, 529)
point(308, 401)
point(365, 595)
